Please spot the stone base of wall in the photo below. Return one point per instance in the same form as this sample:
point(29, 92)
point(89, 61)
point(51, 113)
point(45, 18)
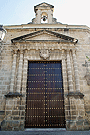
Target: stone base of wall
point(12, 125)
point(77, 118)
point(81, 125)
point(19, 125)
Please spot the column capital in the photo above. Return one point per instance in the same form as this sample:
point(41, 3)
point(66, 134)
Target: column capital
point(26, 51)
point(68, 50)
point(63, 54)
point(63, 51)
point(21, 51)
point(15, 51)
point(73, 50)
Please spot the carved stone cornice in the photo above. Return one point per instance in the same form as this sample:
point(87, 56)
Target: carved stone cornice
point(59, 37)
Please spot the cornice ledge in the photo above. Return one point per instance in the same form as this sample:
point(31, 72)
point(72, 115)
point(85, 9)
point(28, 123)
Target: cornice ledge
point(14, 94)
point(39, 41)
point(75, 94)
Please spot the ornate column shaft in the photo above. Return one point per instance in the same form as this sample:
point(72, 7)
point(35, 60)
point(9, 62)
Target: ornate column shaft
point(13, 72)
point(69, 71)
point(19, 75)
point(64, 72)
point(77, 84)
point(24, 81)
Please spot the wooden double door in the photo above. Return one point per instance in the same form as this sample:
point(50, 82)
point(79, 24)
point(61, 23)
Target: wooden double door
point(45, 95)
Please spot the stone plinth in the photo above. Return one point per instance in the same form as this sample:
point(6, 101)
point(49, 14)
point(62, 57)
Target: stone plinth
point(77, 119)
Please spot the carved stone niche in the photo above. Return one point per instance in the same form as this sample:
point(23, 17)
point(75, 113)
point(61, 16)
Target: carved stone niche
point(45, 53)
point(87, 76)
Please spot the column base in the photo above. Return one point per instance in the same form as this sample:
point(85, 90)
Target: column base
point(79, 125)
point(76, 120)
point(14, 117)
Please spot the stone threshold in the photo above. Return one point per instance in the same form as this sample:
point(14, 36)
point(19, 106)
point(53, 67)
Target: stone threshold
point(45, 129)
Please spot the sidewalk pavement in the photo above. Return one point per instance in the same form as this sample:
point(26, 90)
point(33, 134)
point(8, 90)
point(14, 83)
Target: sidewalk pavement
point(55, 131)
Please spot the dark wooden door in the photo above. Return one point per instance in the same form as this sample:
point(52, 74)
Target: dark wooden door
point(45, 95)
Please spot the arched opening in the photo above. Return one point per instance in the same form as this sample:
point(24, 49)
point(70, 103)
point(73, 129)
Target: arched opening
point(44, 17)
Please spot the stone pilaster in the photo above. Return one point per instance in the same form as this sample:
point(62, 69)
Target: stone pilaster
point(13, 72)
point(24, 81)
point(65, 84)
point(12, 120)
point(38, 17)
point(64, 72)
point(69, 72)
point(24, 86)
point(19, 74)
point(76, 75)
point(76, 119)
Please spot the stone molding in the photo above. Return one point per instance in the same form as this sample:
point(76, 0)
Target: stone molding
point(61, 37)
point(39, 46)
point(13, 94)
point(75, 94)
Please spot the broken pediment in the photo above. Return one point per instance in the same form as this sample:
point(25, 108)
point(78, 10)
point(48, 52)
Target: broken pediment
point(45, 35)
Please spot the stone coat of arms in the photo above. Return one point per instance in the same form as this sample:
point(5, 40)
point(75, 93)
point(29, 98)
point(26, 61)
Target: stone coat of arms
point(44, 53)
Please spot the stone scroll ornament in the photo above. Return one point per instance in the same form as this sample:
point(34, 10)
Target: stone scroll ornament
point(44, 53)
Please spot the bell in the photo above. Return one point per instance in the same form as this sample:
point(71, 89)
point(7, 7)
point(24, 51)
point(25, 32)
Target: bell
point(44, 18)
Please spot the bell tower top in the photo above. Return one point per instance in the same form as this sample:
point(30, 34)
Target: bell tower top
point(43, 6)
point(44, 14)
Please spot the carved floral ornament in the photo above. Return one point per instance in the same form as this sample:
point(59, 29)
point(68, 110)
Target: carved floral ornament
point(44, 53)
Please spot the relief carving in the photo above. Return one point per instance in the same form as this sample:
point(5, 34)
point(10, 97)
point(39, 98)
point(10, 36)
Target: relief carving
point(44, 53)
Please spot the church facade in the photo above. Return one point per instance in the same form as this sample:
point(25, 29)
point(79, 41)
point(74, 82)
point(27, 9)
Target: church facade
point(45, 75)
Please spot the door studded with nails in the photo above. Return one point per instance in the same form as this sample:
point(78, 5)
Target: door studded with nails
point(45, 95)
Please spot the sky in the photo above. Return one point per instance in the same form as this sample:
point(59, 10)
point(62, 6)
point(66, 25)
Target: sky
point(71, 12)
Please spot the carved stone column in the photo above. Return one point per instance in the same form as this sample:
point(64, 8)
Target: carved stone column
point(65, 85)
point(69, 71)
point(13, 72)
point(24, 86)
point(25, 66)
point(12, 117)
point(76, 120)
point(77, 84)
point(64, 72)
point(19, 74)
